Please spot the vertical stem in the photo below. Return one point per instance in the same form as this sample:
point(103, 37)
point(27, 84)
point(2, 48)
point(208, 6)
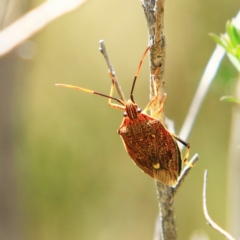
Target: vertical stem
point(154, 13)
point(157, 55)
point(166, 212)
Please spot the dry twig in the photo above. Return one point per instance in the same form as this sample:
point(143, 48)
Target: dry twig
point(154, 13)
point(185, 171)
point(103, 50)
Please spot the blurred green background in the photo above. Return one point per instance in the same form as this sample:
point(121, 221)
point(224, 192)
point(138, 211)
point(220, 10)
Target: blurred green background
point(72, 176)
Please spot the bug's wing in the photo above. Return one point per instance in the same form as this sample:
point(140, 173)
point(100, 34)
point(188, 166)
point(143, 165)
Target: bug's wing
point(168, 157)
point(149, 144)
point(167, 151)
point(167, 177)
point(146, 161)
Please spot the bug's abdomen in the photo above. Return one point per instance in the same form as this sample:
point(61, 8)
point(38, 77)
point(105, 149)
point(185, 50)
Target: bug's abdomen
point(152, 148)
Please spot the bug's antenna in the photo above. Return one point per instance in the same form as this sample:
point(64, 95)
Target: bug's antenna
point(138, 70)
point(90, 91)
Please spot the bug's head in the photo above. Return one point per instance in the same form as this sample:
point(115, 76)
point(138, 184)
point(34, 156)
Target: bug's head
point(132, 110)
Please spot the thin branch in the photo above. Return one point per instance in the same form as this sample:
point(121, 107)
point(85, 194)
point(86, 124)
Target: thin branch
point(170, 126)
point(103, 50)
point(233, 200)
point(205, 82)
point(154, 13)
point(186, 170)
point(165, 225)
point(33, 21)
point(208, 218)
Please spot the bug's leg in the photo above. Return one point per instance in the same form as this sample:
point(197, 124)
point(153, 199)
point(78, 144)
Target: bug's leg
point(155, 114)
point(114, 105)
point(187, 145)
point(155, 98)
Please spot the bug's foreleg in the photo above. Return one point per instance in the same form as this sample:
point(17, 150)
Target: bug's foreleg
point(159, 110)
point(150, 104)
point(117, 106)
point(155, 98)
point(114, 105)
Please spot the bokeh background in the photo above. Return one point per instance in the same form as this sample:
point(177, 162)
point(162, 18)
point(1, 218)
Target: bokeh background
point(64, 171)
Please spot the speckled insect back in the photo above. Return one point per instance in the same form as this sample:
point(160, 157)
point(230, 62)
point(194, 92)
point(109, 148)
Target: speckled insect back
point(151, 146)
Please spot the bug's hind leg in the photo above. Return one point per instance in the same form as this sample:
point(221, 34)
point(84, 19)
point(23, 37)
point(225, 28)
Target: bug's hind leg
point(187, 145)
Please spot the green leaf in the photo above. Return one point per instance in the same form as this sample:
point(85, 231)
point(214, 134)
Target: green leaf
point(230, 99)
point(238, 52)
point(231, 43)
point(217, 39)
point(233, 34)
point(236, 34)
point(229, 30)
point(225, 38)
point(234, 60)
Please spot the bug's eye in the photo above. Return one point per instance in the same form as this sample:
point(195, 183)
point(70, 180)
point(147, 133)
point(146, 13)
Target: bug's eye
point(124, 114)
point(139, 110)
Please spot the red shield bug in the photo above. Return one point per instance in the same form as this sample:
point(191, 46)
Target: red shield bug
point(151, 146)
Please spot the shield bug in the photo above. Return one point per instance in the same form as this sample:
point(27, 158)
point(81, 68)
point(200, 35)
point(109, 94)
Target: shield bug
point(151, 146)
